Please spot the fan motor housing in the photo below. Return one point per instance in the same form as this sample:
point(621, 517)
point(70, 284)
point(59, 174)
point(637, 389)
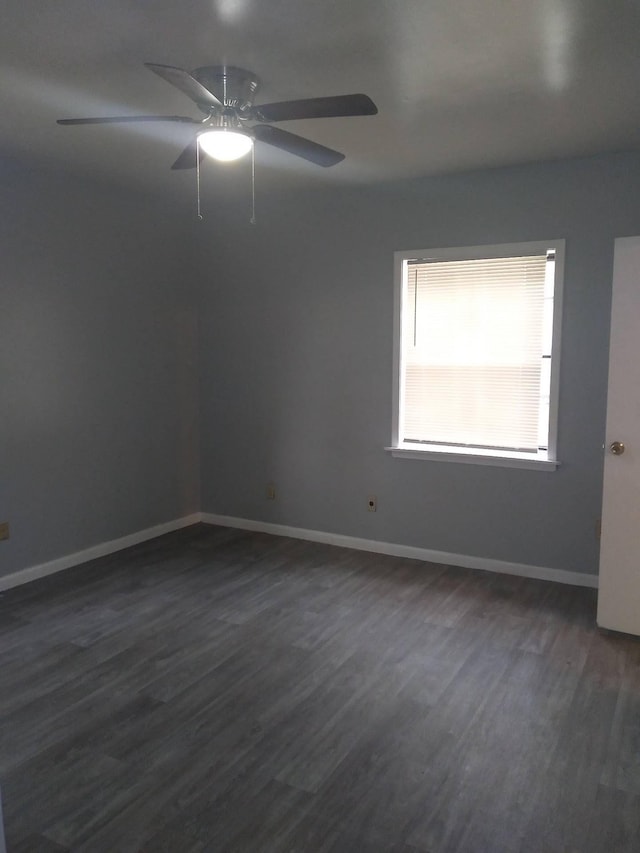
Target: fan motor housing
point(235, 87)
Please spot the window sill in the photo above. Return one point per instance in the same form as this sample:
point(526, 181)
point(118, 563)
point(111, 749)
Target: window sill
point(474, 457)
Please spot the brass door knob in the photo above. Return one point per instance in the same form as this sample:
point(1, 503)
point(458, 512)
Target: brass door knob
point(617, 448)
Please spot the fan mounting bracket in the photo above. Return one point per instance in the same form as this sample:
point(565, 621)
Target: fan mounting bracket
point(235, 87)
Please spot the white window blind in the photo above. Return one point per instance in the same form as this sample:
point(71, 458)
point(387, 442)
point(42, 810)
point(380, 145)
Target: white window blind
point(474, 339)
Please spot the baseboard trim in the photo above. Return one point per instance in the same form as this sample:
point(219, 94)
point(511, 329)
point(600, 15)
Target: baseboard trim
point(390, 548)
point(32, 573)
point(397, 550)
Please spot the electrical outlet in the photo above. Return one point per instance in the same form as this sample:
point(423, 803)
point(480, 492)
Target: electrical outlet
point(271, 491)
point(4, 530)
point(598, 528)
point(372, 503)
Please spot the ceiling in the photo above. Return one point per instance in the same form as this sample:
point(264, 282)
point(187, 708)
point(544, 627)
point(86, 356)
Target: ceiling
point(460, 84)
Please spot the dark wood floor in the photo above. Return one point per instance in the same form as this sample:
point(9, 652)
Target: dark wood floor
point(217, 690)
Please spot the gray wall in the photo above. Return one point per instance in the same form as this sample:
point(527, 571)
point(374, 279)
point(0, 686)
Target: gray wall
point(98, 391)
point(99, 395)
point(297, 349)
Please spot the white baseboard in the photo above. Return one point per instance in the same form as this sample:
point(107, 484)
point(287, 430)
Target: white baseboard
point(396, 550)
point(393, 549)
point(103, 549)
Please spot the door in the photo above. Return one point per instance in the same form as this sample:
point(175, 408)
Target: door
point(619, 585)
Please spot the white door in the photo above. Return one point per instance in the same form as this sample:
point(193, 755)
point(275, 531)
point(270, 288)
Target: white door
point(619, 585)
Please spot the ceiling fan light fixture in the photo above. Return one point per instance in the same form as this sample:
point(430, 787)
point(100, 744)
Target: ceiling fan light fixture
point(224, 144)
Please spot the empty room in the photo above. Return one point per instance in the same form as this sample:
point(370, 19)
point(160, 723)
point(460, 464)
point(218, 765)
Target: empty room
point(319, 496)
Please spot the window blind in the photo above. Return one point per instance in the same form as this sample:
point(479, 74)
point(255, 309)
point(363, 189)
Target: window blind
point(472, 352)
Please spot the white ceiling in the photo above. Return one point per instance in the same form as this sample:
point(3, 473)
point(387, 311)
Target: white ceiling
point(459, 84)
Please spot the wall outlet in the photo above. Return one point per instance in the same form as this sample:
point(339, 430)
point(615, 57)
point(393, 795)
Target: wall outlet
point(4, 530)
point(598, 528)
point(271, 491)
point(372, 503)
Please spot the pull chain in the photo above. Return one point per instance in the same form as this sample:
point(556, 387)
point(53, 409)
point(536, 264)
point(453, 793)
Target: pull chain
point(198, 174)
point(253, 185)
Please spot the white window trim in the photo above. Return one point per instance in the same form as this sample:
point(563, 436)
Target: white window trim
point(544, 461)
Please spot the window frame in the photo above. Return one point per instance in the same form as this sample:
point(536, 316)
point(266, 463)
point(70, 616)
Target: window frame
point(544, 460)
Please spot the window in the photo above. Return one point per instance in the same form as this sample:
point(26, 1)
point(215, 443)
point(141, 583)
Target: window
point(476, 353)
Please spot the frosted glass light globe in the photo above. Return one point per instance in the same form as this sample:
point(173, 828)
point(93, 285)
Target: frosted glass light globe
point(226, 145)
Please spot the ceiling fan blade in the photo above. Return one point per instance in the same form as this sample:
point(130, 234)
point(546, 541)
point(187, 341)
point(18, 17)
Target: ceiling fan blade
point(337, 105)
point(125, 119)
point(187, 157)
point(298, 145)
point(182, 80)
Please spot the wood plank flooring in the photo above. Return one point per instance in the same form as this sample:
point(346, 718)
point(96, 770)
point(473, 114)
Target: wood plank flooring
point(218, 690)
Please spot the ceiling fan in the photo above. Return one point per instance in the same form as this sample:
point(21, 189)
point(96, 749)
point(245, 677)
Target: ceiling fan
point(232, 123)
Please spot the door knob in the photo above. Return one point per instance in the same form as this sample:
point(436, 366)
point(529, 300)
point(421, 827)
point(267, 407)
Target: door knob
point(617, 448)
